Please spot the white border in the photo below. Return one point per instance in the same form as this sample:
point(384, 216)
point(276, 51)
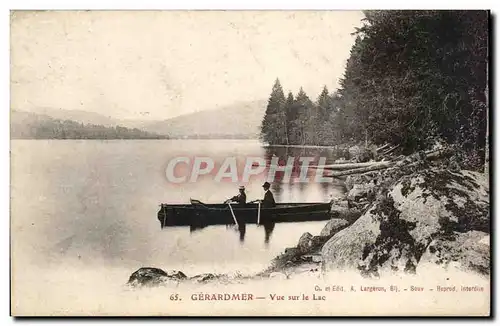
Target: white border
point(185, 4)
point(248, 4)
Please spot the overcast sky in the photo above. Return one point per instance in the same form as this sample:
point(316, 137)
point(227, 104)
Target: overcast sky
point(124, 64)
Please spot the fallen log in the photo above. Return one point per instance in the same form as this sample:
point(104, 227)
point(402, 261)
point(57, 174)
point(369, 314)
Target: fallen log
point(383, 147)
point(347, 166)
point(430, 155)
point(385, 165)
point(390, 150)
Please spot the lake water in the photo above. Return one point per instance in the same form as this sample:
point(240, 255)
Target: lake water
point(91, 204)
point(84, 217)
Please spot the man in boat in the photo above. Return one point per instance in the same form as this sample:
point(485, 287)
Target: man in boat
point(267, 218)
point(268, 200)
point(241, 198)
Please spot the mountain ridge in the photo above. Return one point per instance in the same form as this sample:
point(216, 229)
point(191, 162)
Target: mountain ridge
point(239, 120)
point(242, 119)
point(29, 125)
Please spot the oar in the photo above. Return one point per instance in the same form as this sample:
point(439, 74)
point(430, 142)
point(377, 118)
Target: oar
point(234, 217)
point(164, 216)
point(258, 215)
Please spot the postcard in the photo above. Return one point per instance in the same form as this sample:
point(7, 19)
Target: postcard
point(250, 163)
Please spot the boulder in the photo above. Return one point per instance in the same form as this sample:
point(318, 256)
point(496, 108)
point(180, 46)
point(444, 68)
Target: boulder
point(339, 204)
point(305, 242)
point(333, 226)
point(395, 231)
point(317, 259)
point(150, 276)
point(177, 275)
point(363, 190)
point(349, 215)
point(317, 242)
point(344, 250)
point(313, 258)
point(207, 277)
point(289, 257)
point(468, 251)
point(357, 179)
point(291, 251)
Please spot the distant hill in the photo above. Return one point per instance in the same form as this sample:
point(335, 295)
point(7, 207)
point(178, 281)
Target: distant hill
point(241, 120)
point(237, 121)
point(27, 125)
point(84, 117)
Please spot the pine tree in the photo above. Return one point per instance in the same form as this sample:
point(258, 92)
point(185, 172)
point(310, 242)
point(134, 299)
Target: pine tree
point(289, 107)
point(322, 117)
point(304, 121)
point(413, 76)
point(324, 103)
point(273, 123)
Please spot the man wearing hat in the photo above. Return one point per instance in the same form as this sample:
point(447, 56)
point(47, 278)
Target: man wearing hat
point(241, 198)
point(268, 200)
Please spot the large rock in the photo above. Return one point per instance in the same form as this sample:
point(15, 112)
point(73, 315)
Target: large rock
point(209, 277)
point(333, 226)
point(359, 191)
point(344, 250)
point(305, 242)
point(348, 214)
point(317, 242)
point(395, 231)
point(357, 179)
point(150, 276)
point(462, 251)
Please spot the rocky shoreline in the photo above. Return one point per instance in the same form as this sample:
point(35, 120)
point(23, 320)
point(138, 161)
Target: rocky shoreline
point(399, 219)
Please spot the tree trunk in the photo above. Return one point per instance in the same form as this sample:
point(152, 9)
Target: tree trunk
point(286, 132)
point(384, 165)
point(383, 147)
point(349, 166)
point(363, 170)
point(390, 150)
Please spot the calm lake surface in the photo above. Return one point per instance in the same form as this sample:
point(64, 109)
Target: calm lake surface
point(86, 204)
point(84, 217)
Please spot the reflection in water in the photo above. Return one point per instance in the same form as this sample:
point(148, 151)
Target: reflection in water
point(324, 190)
point(284, 153)
point(268, 228)
point(242, 228)
point(292, 189)
point(110, 209)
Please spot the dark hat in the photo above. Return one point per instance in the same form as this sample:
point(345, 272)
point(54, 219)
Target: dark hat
point(266, 185)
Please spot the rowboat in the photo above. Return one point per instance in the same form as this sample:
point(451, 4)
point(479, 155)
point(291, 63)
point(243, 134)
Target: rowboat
point(199, 214)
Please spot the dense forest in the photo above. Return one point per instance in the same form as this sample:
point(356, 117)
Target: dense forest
point(412, 78)
point(32, 126)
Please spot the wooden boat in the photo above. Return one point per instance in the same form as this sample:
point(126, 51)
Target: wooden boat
point(198, 214)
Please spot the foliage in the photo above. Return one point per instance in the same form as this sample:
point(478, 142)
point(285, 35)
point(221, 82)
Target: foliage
point(412, 77)
point(415, 75)
point(49, 128)
point(274, 122)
